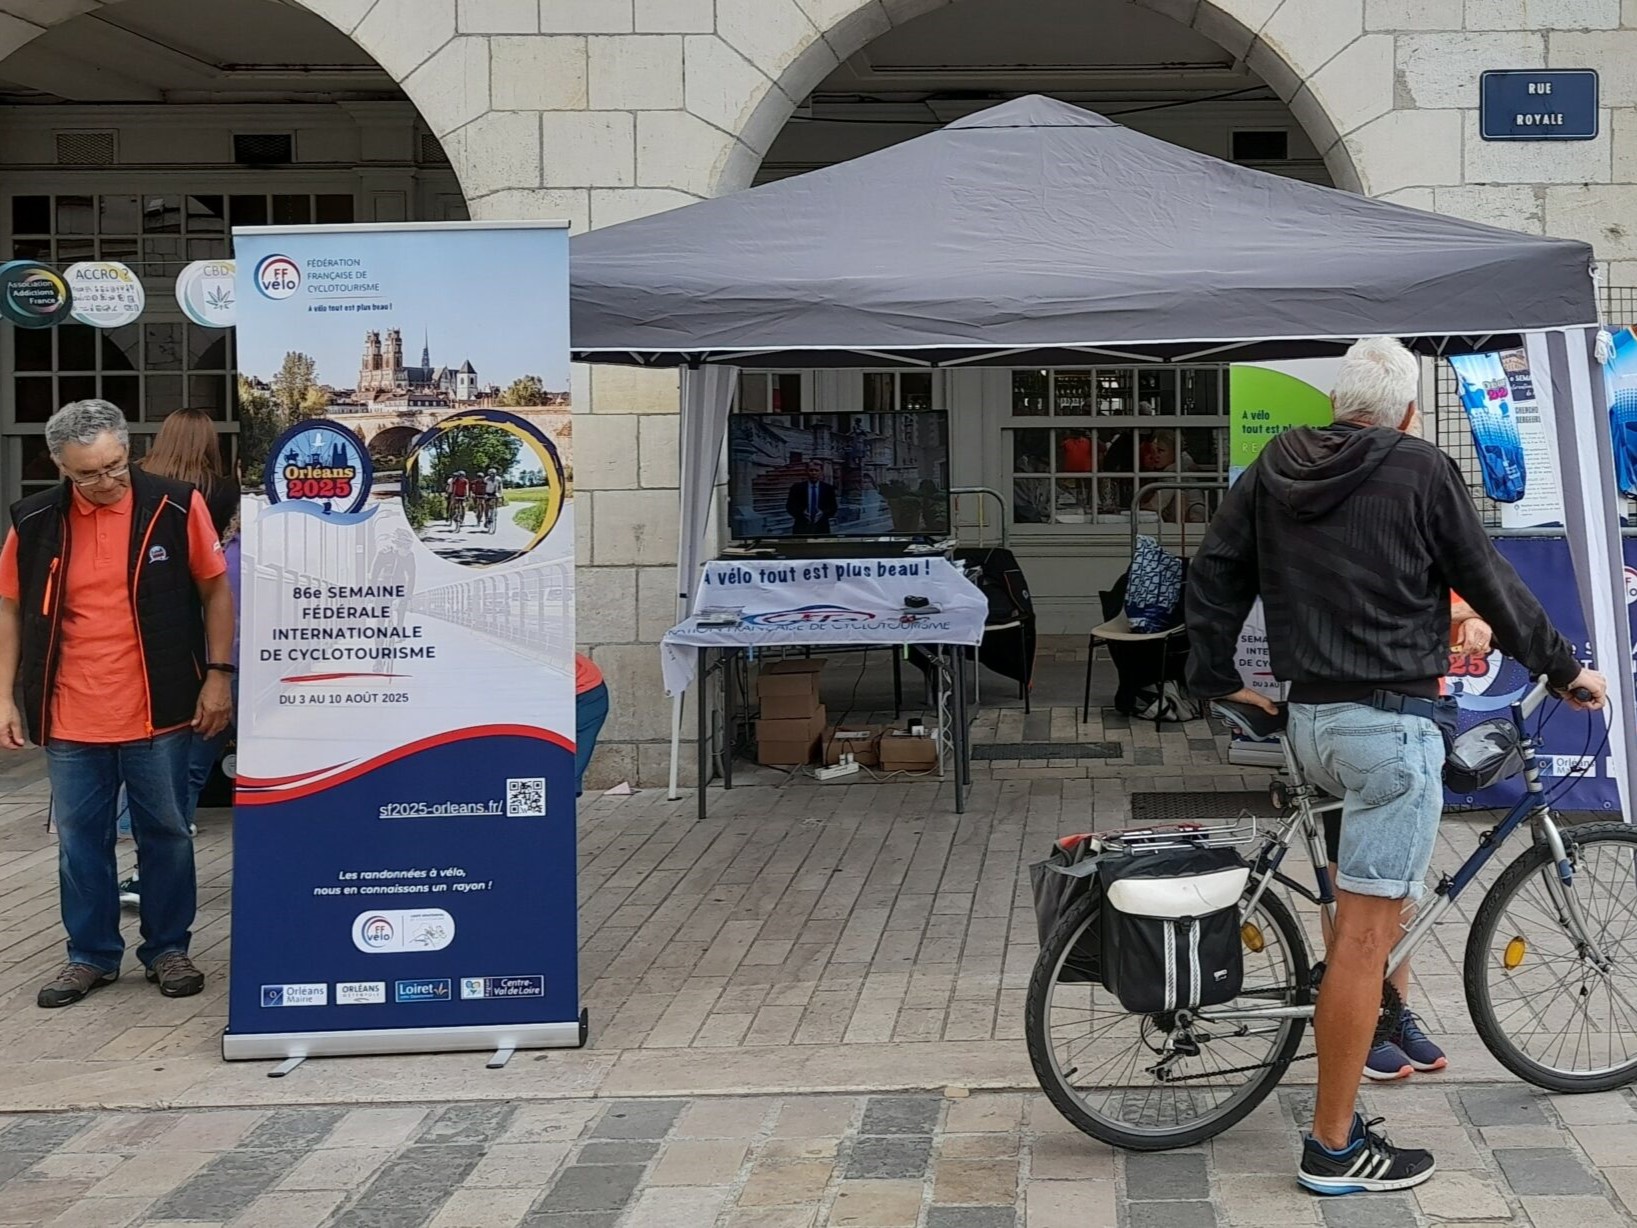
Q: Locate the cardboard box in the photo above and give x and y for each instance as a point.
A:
(790, 678)
(865, 749)
(789, 707)
(787, 743)
(901, 753)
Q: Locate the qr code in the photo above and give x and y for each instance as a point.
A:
(526, 798)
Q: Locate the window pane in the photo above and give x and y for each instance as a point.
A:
(1114, 495)
(35, 399)
(33, 348)
(1032, 451)
(1071, 392)
(1031, 501)
(879, 392)
(753, 393)
(1202, 391)
(1114, 392)
(206, 215)
(292, 210)
(124, 391)
(31, 249)
(163, 396)
(209, 393)
(76, 388)
(1156, 392)
(1157, 453)
(76, 348)
(1076, 452)
(37, 463)
(1202, 450)
(1029, 392)
(248, 210)
(207, 249)
(76, 215)
(163, 346)
(787, 393)
(71, 250)
(118, 215)
(31, 215)
(119, 347)
(333, 210)
(1076, 503)
(207, 348)
(161, 215)
(915, 390)
(126, 250)
(1116, 452)
(164, 256)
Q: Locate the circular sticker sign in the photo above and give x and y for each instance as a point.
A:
(33, 295)
(106, 294)
(205, 293)
(322, 463)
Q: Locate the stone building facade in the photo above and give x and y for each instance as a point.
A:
(603, 110)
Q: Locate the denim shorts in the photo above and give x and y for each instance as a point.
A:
(1388, 769)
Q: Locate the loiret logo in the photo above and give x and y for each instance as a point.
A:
(809, 615)
(278, 277)
(436, 990)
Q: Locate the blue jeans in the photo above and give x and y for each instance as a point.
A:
(201, 760)
(1388, 769)
(590, 711)
(85, 785)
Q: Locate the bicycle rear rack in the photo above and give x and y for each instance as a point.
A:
(1230, 834)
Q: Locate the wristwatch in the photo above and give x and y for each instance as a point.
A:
(221, 667)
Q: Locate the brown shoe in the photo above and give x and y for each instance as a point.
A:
(71, 984)
(176, 975)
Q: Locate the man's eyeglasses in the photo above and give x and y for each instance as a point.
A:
(102, 475)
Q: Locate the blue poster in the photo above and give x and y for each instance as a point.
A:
(404, 826)
(1486, 396)
(1620, 378)
(1574, 758)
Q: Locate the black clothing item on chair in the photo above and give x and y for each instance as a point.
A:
(1009, 651)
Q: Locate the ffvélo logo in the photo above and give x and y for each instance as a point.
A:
(278, 277)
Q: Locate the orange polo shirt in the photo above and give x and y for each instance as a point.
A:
(101, 694)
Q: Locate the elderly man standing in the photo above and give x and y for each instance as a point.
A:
(117, 620)
(1353, 535)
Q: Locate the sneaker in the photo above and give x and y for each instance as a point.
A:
(1416, 1045)
(71, 984)
(1388, 1062)
(130, 892)
(176, 976)
(1368, 1164)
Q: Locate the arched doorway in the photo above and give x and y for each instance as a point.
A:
(142, 132)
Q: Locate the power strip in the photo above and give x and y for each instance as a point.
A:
(848, 767)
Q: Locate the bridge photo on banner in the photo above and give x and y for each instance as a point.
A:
(404, 828)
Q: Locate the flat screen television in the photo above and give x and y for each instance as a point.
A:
(838, 475)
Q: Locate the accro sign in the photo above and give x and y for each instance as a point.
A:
(278, 277)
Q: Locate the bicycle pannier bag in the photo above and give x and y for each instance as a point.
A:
(1058, 884)
(1484, 755)
(1170, 928)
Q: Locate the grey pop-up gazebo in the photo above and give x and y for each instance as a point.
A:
(1036, 233)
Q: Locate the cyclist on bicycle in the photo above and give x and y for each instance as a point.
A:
(497, 497)
(1353, 536)
(457, 491)
(480, 499)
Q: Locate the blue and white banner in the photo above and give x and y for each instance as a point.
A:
(1486, 396)
(404, 833)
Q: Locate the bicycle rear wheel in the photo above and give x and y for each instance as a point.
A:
(1547, 1012)
(1109, 1073)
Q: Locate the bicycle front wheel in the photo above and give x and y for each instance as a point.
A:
(1548, 1010)
(1148, 1082)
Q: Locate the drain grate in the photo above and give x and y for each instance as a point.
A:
(1046, 750)
(1203, 807)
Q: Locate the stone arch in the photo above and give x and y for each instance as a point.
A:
(392, 441)
(425, 57)
(1314, 54)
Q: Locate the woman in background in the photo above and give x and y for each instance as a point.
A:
(590, 711)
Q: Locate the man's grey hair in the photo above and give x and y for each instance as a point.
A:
(82, 422)
(1379, 378)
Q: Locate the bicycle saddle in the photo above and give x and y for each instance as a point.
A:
(1249, 719)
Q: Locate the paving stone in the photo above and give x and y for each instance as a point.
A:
(375, 1127)
(801, 1148)
(1271, 1199)
(573, 1219)
(1575, 1213)
(1171, 1215)
(484, 1208)
(210, 1131)
(1069, 1204)
(336, 1168)
(1242, 1151)
(671, 1207)
(900, 1115)
(1599, 1108)
(1608, 1146)
(226, 1186)
(638, 1119)
(889, 1157)
(1070, 1157)
(293, 1129)
(42, 1132)
(1503, 1106)
(512, 1165)
(975, 1182)
(876, 1204)
(1546, 1170)
(1462, 1196)
(1512, 1138)
(592, 1187)
(984, 1114)
(972, 1217)
(281, 1209)
(983, 1147)
(1369, 1211)
(1165, 1175)
(551, 1122)
(732, 1117)
(406, 1215)
(700, 1162)
(617, 1153)
(1624, 1181)
(784, 1182)
(33, 1200)
(468, 1124)
(814, 1117)
(101, 1213)
(772, 1217)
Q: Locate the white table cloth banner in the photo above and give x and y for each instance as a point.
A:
(824, 603)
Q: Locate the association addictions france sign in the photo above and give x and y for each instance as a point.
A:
(404, 852)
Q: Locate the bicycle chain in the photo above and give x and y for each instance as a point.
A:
(1231, 1070)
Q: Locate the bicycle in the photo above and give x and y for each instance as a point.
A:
(1562, 915)
(457, 511)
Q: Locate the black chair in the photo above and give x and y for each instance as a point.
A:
(1009, 633)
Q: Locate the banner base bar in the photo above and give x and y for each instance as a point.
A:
(281, 1046)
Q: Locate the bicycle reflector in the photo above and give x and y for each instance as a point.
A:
(1251, 936)
(1515, 951)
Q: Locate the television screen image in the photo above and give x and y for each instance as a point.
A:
(838, 475)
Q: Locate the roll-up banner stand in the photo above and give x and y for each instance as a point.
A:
(404, 860)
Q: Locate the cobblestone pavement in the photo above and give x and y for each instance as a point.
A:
(985, 1160)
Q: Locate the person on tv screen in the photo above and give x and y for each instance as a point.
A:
(811, 503)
